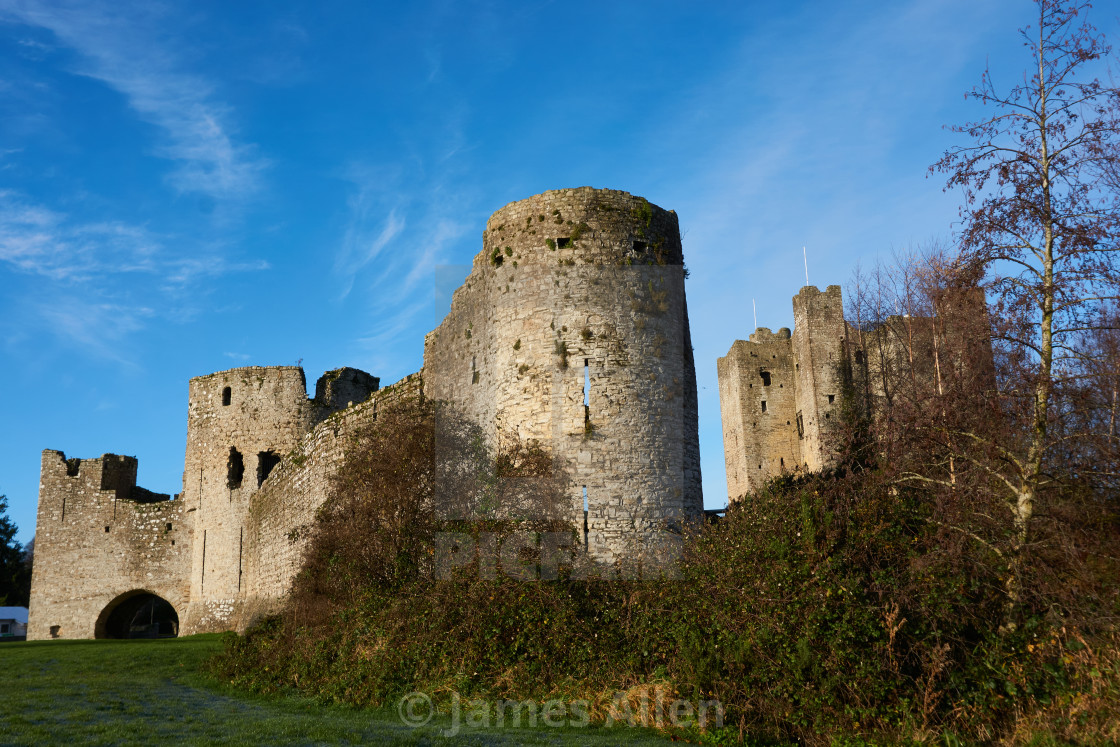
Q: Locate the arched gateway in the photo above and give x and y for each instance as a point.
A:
(137, 614)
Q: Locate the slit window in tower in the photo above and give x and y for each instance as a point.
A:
(640, 246)
(235, 469)
(586, 514)
(202, 582)
(586, 382)
(563, 243)
(266, 461)
(764, 405)
(765, 377)
(227, 396)
(800, 427)
(859, 356)
(474, 371)
(831, 398)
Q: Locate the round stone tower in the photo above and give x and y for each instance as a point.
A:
(572, 330)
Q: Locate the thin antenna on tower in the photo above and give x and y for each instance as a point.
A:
(755, 307)
(805, 256)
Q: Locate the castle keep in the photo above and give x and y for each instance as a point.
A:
(571, 330)
(784, 397)
(780, 393)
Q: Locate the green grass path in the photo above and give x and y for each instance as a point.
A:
(152, 692)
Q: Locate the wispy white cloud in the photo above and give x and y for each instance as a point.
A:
(238, 356)
(359, 247)
(119, 47)
(182, 272)
(92, 284)
(94, 325)
(391, 247)
(37, 240)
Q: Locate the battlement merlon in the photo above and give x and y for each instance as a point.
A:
(812, 290)
(343, 387)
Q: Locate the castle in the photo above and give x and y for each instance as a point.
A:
(786, 398)
(571, 330)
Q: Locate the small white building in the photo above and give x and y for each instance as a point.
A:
(13, 622)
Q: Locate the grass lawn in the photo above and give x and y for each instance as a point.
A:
(145, 692)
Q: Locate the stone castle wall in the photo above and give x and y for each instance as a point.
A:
(282, 513)
(572, 330)
(97, 537)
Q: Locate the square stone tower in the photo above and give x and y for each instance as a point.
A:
(782, 394)
(758, 396)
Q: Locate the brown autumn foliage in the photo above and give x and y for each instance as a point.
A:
(417, 469)
(1041, 226)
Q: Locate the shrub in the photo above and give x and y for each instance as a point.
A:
(819, 608)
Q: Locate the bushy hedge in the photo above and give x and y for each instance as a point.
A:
(825, 606)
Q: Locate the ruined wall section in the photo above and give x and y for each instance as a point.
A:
(758, 405)
(98, 536)
(858, 345)
(240, 424)
(343, 387)
(572, 330)
(820, 363)
(281, 514)
(916, 357)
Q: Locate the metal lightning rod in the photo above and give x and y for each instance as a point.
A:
(755, 307)
(805, 256)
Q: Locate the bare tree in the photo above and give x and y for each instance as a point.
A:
(1040, 226)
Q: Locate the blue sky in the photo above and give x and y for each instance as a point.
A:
(190, 187)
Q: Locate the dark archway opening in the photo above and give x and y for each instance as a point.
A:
(138, 614)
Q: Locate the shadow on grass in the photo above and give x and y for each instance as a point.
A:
(137, 692)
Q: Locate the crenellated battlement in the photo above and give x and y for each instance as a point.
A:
(108, 472)
(763, 335)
